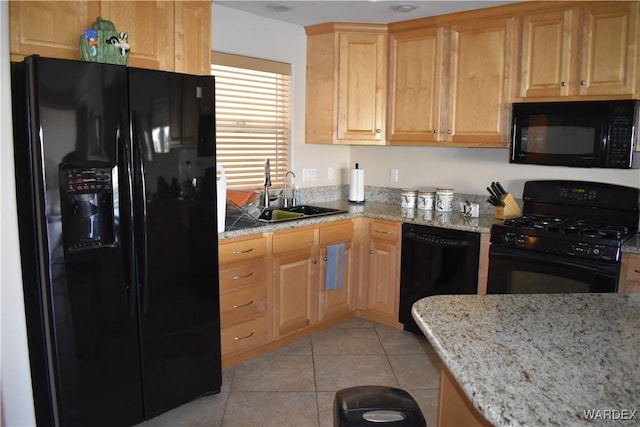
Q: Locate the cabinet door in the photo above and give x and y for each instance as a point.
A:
(49, 28)
(361, 87)
(193, 37)
(415, 86)
(545, 54)
(294, 302)
(337, 300)
(609, 49)
(383, 285)
(295, 265)
(480, 67)
(629, 273)
(149, 25)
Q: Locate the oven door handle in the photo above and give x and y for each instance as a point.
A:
(594, 266)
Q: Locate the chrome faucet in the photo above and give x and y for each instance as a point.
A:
(267, 183)
(286, 199)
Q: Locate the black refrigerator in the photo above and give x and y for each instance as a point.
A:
(115, 184)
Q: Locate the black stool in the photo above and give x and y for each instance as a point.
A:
(371, 405)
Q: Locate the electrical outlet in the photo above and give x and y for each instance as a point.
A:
(393, 175)
(309, 174)
(330, 174)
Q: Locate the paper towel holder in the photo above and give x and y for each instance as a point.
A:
(356, 186)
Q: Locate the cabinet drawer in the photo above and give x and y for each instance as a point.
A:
(293, 240)
(382, 230)
(242, 304)
(633, 269)
(243, 274)
(242, 250)
(336, 233)
(243, 336)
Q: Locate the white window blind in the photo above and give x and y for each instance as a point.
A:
(252, 118)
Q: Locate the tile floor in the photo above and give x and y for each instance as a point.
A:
(295, 384)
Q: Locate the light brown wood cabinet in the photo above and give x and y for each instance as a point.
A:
(589, 51)
(415, 86)
(339, 300)
(244, 294)
(382, 281)
(629, 273)
(346, 84)
(450, 83)
(295, 261)
(165, 35)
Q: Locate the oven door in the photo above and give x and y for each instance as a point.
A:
(519, 271)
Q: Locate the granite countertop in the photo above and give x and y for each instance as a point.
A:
(387, 211)
(540, 360)
(393, 212)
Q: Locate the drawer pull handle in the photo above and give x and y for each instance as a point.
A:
(242, 277)
(243, 338)
(237, 252)
(242, 305)
(382, 232)
(636, 270)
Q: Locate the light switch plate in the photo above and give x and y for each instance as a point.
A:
(393, 175)
(309, 174)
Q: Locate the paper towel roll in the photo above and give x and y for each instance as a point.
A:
(356, 189)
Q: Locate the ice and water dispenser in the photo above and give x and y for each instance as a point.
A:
(87, 205)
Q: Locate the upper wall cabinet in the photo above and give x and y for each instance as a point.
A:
(49, 28)
(165, 35)
(450, 84)
(346, 84)
(479, 96)
(415, 86)
(589, 51)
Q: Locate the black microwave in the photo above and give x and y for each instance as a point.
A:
(589, 134)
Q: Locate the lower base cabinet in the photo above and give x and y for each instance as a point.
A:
(629, 273)
(295, 262)
(455, 409)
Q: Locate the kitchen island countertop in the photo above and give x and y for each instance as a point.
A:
(543, 360)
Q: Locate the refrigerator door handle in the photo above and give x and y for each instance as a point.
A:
(142, 252)
(126, 211)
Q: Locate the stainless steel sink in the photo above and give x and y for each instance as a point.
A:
(296, 212)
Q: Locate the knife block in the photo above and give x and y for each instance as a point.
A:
(509, 210)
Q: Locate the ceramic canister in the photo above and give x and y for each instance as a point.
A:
(444, 199)
(426, 200)
(408, 198)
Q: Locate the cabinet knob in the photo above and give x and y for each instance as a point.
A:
(315, 261)
(371, 251)
(435, 131)
(324, 258)
(583, 82)
(563, 84)
(378, 130)
(449, 132)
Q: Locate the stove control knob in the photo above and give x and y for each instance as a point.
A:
(521, 240)
(595, 251)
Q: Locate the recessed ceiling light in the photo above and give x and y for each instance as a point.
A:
(277, 7)
(403, 8)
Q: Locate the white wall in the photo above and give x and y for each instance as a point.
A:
(467, 170)
(17, 402)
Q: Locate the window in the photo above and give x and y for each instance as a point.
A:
(252, 118)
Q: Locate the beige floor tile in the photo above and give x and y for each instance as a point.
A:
(271, 409)
(325, 408)
(428, 401)
(300, 347)
(397, 341)
(273, 372)
(416, 371)
(346, 341)
(204, 412)
(334, 373)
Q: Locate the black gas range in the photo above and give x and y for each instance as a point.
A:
(570, 235)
